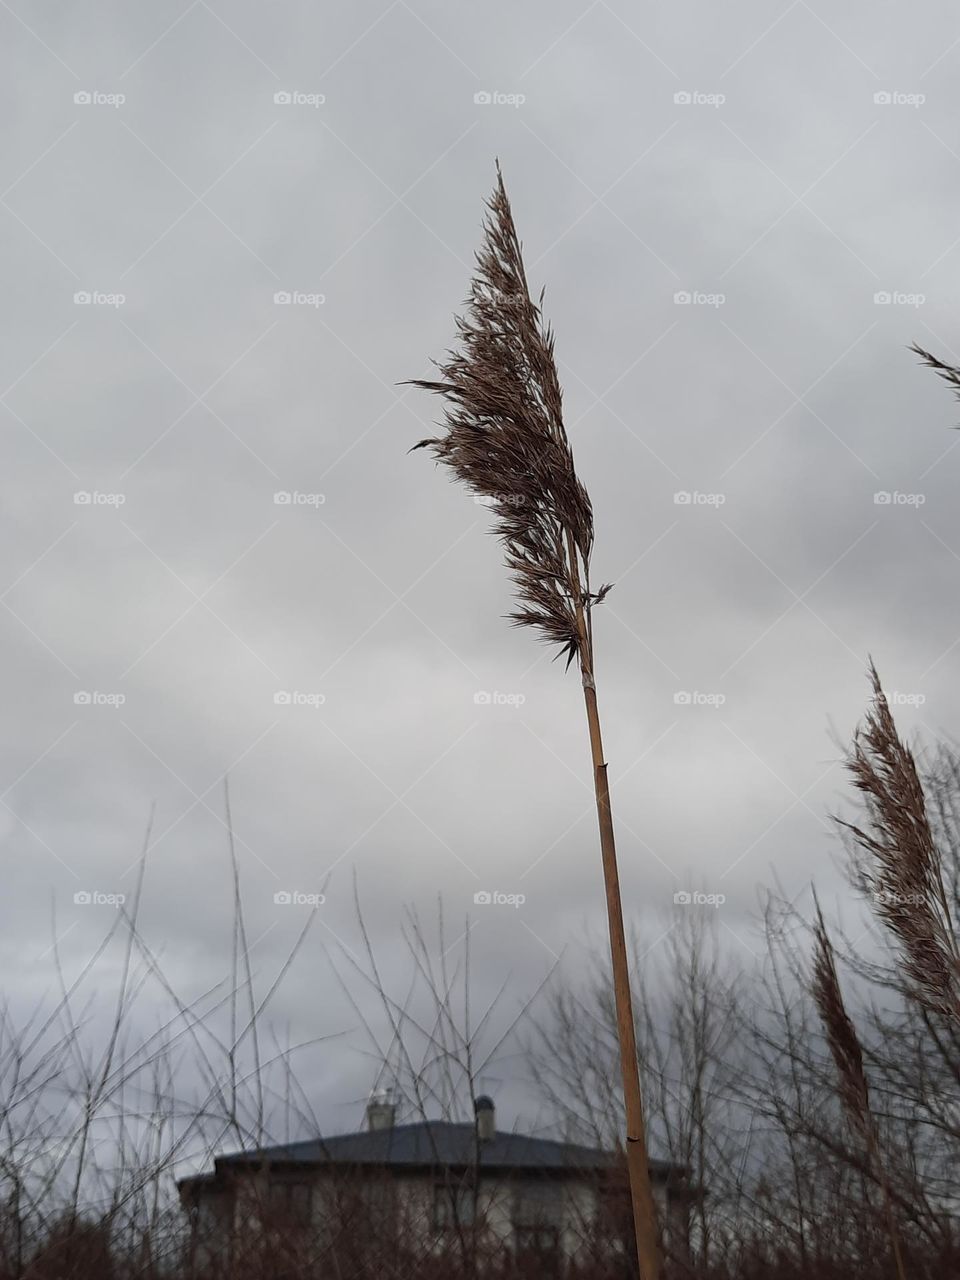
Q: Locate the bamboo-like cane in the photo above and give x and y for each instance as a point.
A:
(505, 440)
(638, 1170)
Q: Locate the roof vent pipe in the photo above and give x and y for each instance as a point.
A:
(381, 1110)
(486, 1118)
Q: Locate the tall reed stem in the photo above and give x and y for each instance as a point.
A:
(505, 440)
(891, 1217)
(638, 1169)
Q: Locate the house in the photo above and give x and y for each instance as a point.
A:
(428, 1191)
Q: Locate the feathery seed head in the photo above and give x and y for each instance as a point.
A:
(840, 1031)
(506, 442)
(898, 859)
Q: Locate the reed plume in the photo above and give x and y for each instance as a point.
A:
(841, 1034)
(948, 372)
(898, 861)
(505, 440)
(852, 1086)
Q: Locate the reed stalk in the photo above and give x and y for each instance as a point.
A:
(505, 440)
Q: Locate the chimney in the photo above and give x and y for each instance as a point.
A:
(380, 1110)
(486, 1118)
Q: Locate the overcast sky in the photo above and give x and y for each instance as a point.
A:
(742, 216)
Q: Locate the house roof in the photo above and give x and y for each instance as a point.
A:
(433, 1144)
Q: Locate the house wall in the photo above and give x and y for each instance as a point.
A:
(353, 1208)
(212, 1226)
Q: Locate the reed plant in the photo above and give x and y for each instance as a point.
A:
(505, 440)
(847, 1054)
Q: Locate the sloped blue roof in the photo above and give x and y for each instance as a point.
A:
(437, 1143)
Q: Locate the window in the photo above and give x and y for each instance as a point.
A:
(378, 1203)
(537, 1219)
(453, 1205)
(538, 1240)
(290, 1201)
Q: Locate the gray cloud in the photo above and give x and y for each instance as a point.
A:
(798, 198)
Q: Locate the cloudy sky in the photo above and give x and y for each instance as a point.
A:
(229, 232)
